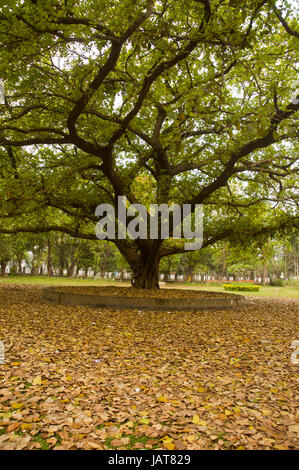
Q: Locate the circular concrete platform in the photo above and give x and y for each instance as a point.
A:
(221, 301)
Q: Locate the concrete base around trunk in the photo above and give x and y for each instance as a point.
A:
(149, 303)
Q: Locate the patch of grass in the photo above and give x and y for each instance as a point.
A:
(27, 384)
(155, 446)
(44, 444)
(58, 439)
(133, 440)
(100, 426)
(291, 291)
(6, 402)
(241, 287)
(265, 291)
(108, 442)
(137, 439)
(45, 280)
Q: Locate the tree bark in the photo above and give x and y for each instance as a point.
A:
(146, 276)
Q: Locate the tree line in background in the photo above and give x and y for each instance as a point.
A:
(59, 254)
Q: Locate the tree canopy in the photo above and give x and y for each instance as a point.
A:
(192, 101)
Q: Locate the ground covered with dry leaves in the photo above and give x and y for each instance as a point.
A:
(83, 378)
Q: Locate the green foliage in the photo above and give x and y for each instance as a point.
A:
(240, 269)
(277, 282)
(241, 287)
(186, 102)
(293, 283)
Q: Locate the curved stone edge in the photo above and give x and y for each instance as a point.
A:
(152, 303)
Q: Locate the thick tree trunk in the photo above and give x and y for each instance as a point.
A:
(144, 262)
(146, 276)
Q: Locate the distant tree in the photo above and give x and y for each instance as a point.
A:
(240, 269)
(85, 257)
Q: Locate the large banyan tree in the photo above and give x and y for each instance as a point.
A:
(161, 101)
